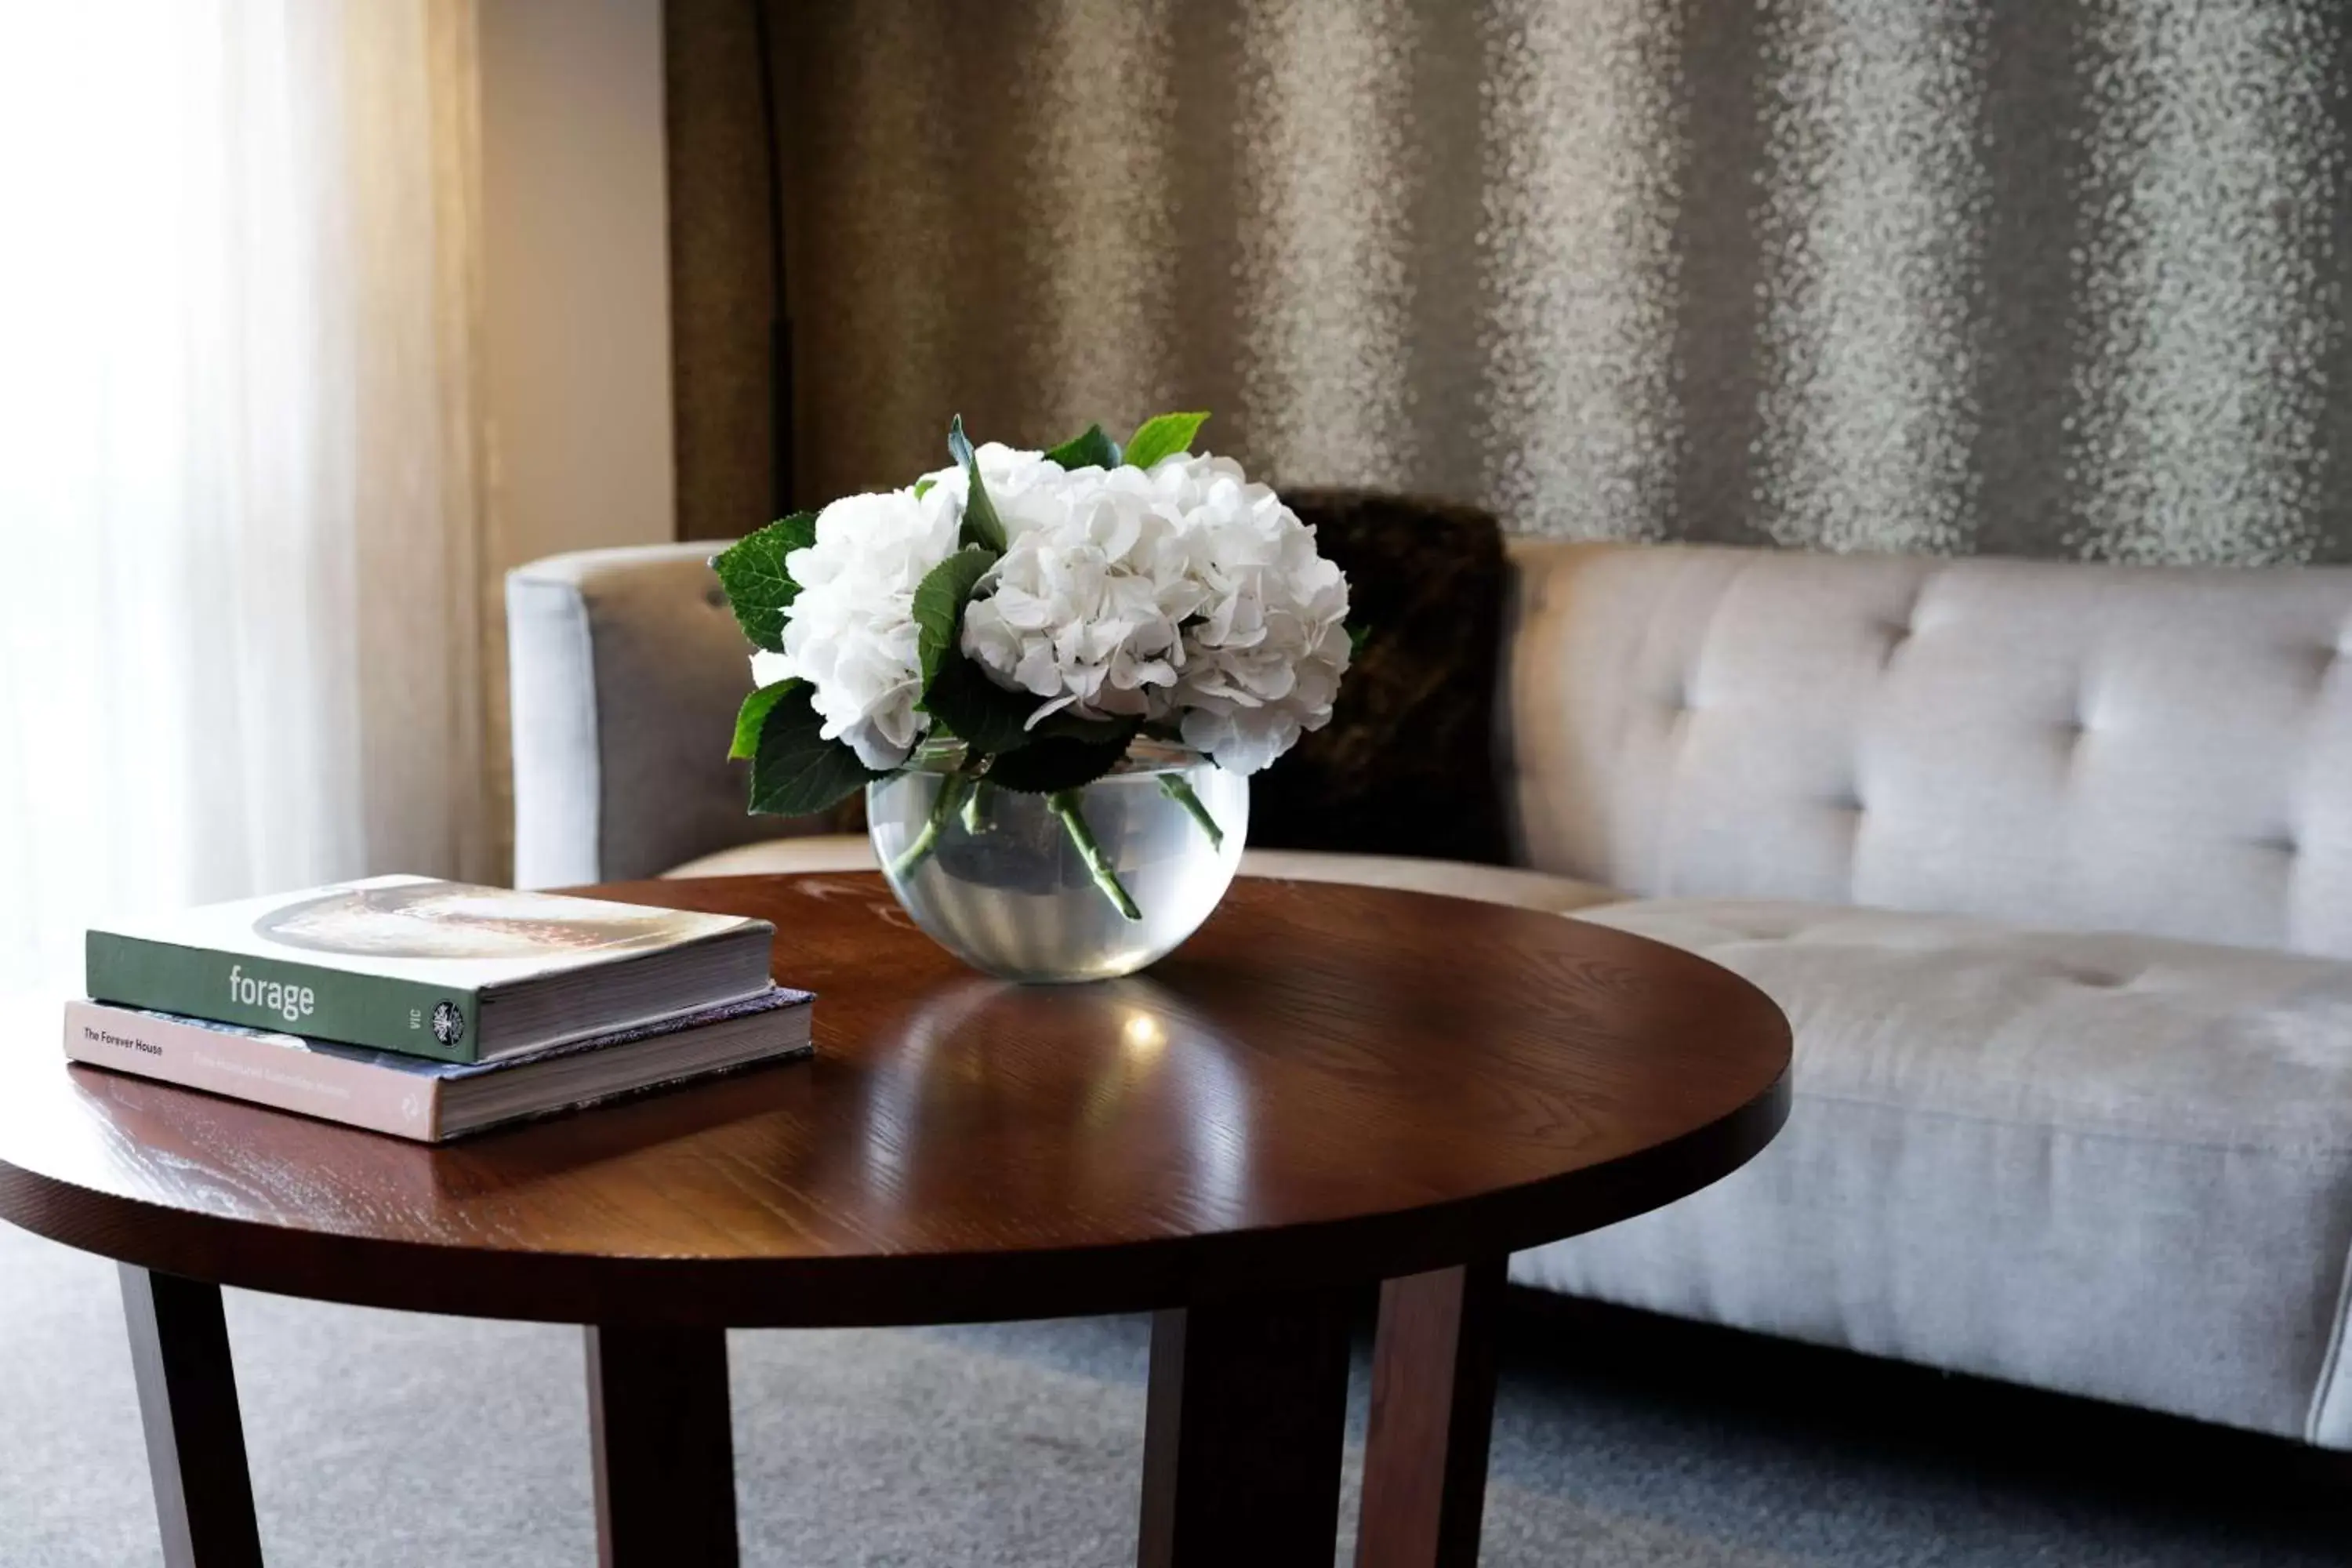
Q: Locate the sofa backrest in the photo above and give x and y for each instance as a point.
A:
(2157, 749)
(626, 669)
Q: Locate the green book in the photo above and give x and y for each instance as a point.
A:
(445, 970)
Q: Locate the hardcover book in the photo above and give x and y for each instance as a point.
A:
(446, 970)
(414, 1097)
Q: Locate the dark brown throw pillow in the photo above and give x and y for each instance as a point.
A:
(1406, 766)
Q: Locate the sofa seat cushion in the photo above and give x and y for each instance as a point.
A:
(2111, 1165)
(1456, 878)
(777, 857)
(1460, 878)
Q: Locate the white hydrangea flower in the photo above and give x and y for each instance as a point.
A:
(766, 668)
(1182, 593)
(1010, 473)
(1085, 608)
(1185, 596)
(1263, 661)
(850, 632)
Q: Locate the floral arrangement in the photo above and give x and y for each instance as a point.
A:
(1042, 608)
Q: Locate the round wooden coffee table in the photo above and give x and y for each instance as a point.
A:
(1325, 1090)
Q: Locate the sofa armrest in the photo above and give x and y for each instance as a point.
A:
(626, 667)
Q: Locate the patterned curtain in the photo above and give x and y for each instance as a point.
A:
(2041, 277)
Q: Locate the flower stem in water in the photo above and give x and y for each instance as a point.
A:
(1064, 804)
(1173, 786)
(953, 787)
(975, 812)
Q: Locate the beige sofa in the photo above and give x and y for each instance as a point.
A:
(2051, 865)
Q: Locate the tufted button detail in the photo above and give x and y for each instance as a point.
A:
(1897, 634)
(1905, 625)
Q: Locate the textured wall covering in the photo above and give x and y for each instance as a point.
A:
(2050, 277)
(720, 272)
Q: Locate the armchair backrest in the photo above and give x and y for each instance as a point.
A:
(626, 669)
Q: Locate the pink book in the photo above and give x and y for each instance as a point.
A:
(419, 1097)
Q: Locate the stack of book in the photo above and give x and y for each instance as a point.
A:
(430, 1009)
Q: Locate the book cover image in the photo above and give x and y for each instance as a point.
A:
(444, 933)
(456, 920)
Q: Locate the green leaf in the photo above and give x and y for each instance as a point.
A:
(796, 772)
(974, 709)
(980, 525)
(1055, 763)
(752, 717)
(758, 586)
(940, 600)
(1092, 450)
(1356, 637)
(1163, 436)
(923, 486)
(1096, 732)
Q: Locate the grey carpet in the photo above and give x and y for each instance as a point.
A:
(380, 1438)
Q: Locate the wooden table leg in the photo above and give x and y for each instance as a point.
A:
(665, 1454)
(1246, 1417)
(187, 1401)
(1433, 1410)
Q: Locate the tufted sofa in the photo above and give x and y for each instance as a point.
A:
(2049, 864)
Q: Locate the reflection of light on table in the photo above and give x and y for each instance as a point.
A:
(1130, 1071)
(1143, 1035)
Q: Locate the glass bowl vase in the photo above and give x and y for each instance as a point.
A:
(1087, 885)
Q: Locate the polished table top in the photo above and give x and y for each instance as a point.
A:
(1327, 1084)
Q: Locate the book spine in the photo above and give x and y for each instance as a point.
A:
(243, 1068)
(306, 999)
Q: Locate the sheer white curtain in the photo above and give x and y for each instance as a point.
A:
(241, 528)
